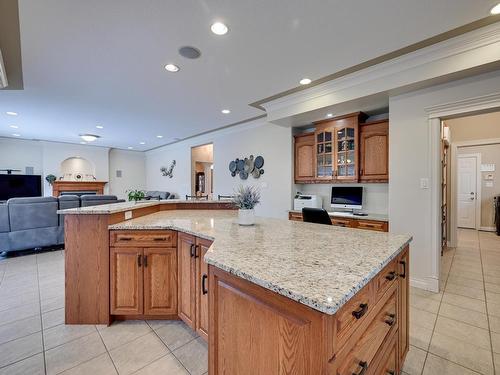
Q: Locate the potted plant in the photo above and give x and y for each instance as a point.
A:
(246, 198)
(50, 178)
(135, 195)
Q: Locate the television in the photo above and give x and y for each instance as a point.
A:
(20, 185)
(350, 197)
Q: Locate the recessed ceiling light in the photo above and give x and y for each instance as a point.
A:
(495, 10)
(130, 147)
(329, 115)
(11, 113)
(89, 137)
(159, 136)
(142, 143)
(99, 127)
(219, 28)
(305, 81)
(13, 126)
(16, 135)
(189, 52)
(172, 68)
(226, 111)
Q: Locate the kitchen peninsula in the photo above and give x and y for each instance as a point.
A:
(285, 297)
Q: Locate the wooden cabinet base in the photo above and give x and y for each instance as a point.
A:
(256, 331)
(375, 225)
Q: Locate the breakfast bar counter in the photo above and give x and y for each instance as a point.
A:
(279, 297)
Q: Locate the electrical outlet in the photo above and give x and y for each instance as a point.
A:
(424, 183)
(128, 215)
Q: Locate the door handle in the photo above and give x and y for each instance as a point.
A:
(139, 260)
(203, 284)
(191, 250)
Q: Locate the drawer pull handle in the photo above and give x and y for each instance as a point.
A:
(363, 308)
(160, 239)
(145, 260)
(196, 247)
(139, 260)
(391, 276)
(403, 263)
(390, 372)
(391, 320)
(124, 238)
(364, 367)
(203, 284)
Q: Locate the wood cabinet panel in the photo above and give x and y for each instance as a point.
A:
(380, 226)
(404, 303)
(384, 280)
(126, 281)
(374, 146)
(143, 238)
(202, 289)
(304, 157)
(187, 279)
(387, 358)
(160, 281)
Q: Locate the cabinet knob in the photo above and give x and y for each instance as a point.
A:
(391, 276)
(364, 367)
(363, 308)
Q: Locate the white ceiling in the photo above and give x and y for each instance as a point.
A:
(101, 62)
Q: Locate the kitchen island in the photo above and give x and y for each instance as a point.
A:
(280, 297)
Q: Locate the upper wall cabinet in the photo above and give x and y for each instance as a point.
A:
(374, 143)
(343, 149)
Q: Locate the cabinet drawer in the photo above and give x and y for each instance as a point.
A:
(295, 216)
(379, 226)
(144, 238)
(387, 359)
(353, 313)
(361, 355)
(341, 222)
(385, 279)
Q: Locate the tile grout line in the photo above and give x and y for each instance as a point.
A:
(107, 351)
(486, 303)
(41, 320)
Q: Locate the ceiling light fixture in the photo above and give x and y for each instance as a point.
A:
(305, 81)
(130, 147)
(172, 68)
(219, 28)
(99, 127)
(142, 143)
(11, 113)
(159, 136)
(329, 115)
(16, 135)
(13, 126)
(89, 137)
(495, 10)
(226, 111)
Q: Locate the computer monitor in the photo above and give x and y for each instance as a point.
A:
(350, 197)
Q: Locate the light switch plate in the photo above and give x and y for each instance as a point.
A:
(424, 183)
(128, 215)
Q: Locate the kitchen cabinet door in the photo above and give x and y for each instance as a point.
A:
(202, 289)
(304, 157)
(374, 139)
(126, 281)
(186, 278)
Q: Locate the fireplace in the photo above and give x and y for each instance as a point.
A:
(77, 187)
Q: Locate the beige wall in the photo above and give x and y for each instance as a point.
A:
(480, 127)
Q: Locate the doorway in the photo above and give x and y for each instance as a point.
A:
(467, 190)
(202, 171)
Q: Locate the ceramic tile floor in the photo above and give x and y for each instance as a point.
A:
(35, 340)
(457, 331)
(454, 332)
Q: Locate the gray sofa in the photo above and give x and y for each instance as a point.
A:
(28, 223)
(158, 195)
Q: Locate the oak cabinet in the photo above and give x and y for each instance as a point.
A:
(374, 147)
(193, 283)
(126, 281)
(143, 281)
(375, 225)
(304, 157)
(403, 303)
(187, 278)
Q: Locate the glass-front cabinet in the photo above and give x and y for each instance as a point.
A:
(337, 149)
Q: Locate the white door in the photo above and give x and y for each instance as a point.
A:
(466, 190)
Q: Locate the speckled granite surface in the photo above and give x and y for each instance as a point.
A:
(125, 206)
(376, 217)
(319, 266)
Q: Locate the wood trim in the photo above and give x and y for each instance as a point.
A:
(67, 186)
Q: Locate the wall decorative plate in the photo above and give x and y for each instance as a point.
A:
(244, 167)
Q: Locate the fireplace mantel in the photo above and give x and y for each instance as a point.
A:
(67, 186)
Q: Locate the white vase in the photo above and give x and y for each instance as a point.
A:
(246, 217)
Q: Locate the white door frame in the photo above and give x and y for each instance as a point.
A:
(454, 187)
(435, 114)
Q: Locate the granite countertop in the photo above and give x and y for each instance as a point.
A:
(350, 215)
(319, 266)
(113, 208)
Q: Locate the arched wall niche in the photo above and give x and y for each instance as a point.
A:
(77, 168)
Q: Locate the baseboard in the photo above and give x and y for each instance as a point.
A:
(487, 229)
(430, 284)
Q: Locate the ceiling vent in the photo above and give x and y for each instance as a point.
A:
(3, 73)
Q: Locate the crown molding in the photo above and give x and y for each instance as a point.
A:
(471, 105)
(459, 54)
